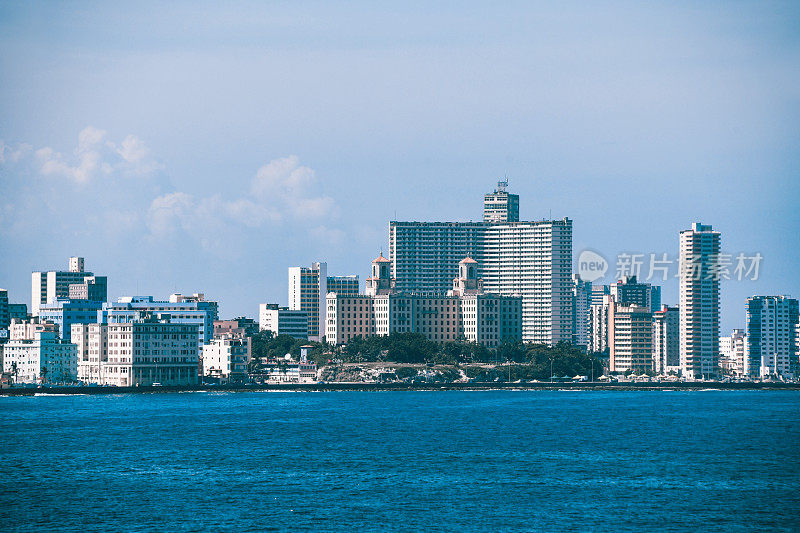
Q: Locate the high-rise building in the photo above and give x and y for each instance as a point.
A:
(666, 340)
(308, 288)
(531, 259)
(18, 312)
(283, 321)
(733, 352)
(699, 301)
(771, 336)
(581, 301)
(148, 349)
(500, 205)
(630, 338)
(467, 312)
(92, 288)
(46, 286)
(598, 293)
(5, 315)
(242, 326)
(598, 324)
(628, 291)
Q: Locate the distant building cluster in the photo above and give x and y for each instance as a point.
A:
(498, 280)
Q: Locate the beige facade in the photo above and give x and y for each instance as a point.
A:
(630, 338)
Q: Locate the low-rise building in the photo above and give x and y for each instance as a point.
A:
(287, 370)
(283, 321)
(148, 349)
(733, 354)
(226, 357)
(36, 354)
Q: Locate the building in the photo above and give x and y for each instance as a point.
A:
(598, 324)
(530, 259)
(628, 291)
(466, 312)
(287, 370)
(308, 288)
(733, 352)
(46, 286)
(666, 340)
(500, 205)
(241, 326)
(92, 288)
(226, 357)
(35, 354)
(581, 302)
(630, 338)
(18, 312)
(149, 349)
(283, 321)
(64, 312)
(771, 336)
(181, 309)
(598, 293)
(5, 316)
(698, 290)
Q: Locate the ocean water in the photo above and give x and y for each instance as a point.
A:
(433, 461)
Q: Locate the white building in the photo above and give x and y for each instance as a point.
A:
(467, 312)
(500, 205)
(283, 321)
(227, 356)
(733, 352)
(630, 338)
(46, 286)
(308, 288)
(699, 301)
(771, 336)
(149, 349)
(35, 354)
(598, 324)
(287, 370)
(666, 340)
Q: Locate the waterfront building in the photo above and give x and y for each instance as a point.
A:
(666, 340)
(628, 291)
(529, 259)
(182, 309)
(283, 321)
(771, 336)
(699, 301)
(733, 353)
(64, 312)
(466, 312)
(630, 338)
(287, 370)
(581, 302)
(226, 357)
(241, 326)
(46, 286)
(500, 205)
(598, 324)
(147, 349)
(308, 288)
(36, 354)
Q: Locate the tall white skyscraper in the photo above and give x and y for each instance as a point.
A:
(771, 336)
(500, 205)
(699, 301)
(308, 288)
(46, 286)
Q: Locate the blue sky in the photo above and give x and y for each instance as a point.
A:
(205, 147)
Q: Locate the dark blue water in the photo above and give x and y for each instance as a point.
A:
(582, 460)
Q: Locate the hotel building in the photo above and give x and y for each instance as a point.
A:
(466, 312)
(699, 302)
(529, 259)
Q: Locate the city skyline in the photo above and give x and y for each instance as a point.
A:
(679, 116)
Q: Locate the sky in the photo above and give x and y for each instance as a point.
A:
(206, 147)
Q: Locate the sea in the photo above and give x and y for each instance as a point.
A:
(706, 460)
